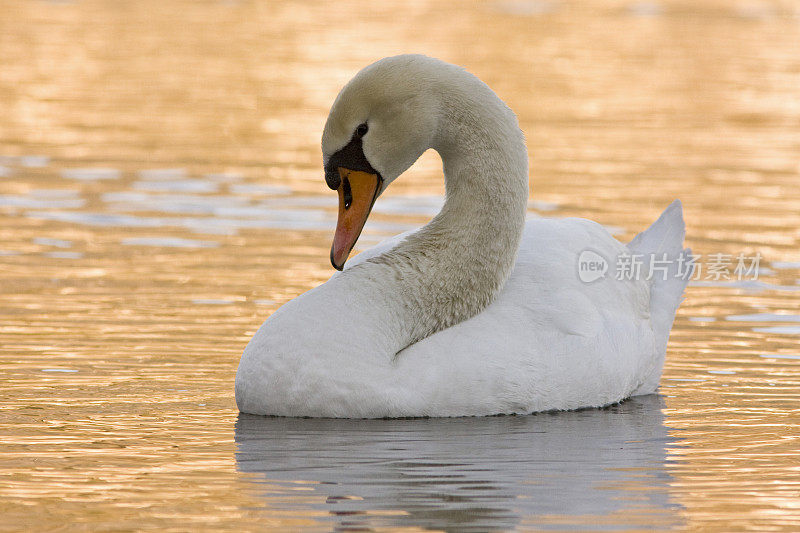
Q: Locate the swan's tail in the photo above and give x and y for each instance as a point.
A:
(662, 244)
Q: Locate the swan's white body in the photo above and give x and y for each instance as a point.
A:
(477, 313)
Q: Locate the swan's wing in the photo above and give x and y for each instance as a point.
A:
(550, 340)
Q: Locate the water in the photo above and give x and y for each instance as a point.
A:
(469, 474)
(161, 193)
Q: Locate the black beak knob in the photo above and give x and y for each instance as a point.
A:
(332, 178)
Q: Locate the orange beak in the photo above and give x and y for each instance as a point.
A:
(357, 192)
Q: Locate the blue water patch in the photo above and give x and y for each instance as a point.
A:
(91, 174)
(212, 301)
(764, 317)
(99, 219)
(33, 161)
(54, 193)
(43, 199)
(785, 265)
(781, 330)
(328, 200)
(702, 319)
(289, 219)
(47, 241)
(260, 190)
(174, 242)
(181, 185)
(779, 356)
(188, 204)
(58, 370)
(63, 255)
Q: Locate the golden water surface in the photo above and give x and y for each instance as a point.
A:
(161, 194)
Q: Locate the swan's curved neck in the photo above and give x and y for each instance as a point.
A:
(453, 267)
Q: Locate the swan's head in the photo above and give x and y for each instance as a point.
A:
(380, 123)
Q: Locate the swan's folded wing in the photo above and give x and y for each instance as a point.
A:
(550, 340)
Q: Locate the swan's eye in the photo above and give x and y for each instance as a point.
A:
(362, 130)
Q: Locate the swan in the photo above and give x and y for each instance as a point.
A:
(478, 312)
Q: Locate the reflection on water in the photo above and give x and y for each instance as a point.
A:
(161, 193)
(584, 468)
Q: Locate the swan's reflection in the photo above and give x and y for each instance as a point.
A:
(597, 468)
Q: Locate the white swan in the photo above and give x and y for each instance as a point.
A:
(476, 313)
